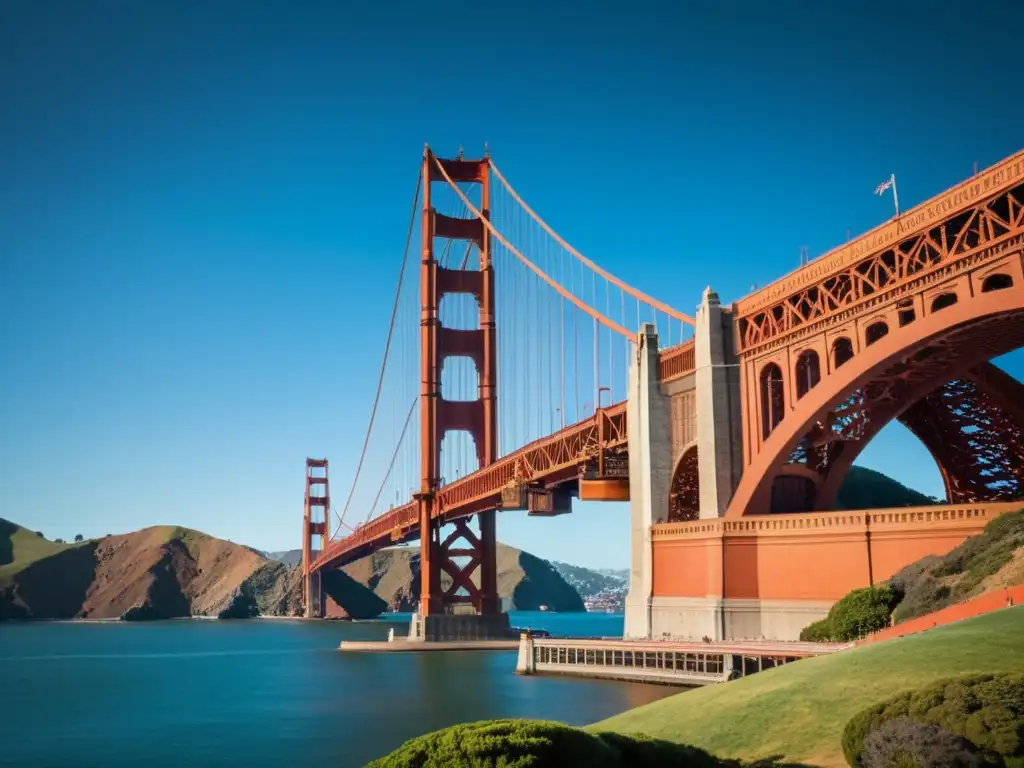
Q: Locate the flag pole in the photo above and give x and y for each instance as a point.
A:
(895, 197)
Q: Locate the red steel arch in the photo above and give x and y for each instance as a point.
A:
(883, 380)
(864, 333)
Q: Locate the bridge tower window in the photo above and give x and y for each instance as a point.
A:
(944, 300)
(996, 283)
(876, 331)
(842, 352)
(773, 399)
(808, 372)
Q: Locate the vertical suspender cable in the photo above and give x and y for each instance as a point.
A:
(387, 349)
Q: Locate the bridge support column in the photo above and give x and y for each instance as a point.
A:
(650, 473)
(444, 611)
(719, 421)
(315, 517)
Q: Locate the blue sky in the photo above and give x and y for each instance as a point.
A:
(203, 207)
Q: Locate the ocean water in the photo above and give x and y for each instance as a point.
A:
(265, 692)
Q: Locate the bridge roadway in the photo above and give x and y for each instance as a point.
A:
(550, 461)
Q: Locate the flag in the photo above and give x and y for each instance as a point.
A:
(883, 186)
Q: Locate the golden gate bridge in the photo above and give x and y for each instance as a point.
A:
(517, 373)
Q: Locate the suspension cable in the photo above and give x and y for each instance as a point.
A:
(639, 295)
(387, 350)
(533, 267)
(394, 456)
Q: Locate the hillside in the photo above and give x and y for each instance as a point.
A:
(797, 712)
(526, 581)
(158, 572)
(865, 488)
(993, 559)
(605, 589)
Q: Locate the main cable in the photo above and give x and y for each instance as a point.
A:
(387, 350)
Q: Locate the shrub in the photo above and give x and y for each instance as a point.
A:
(860, 613)
(987, 710)
(818, 632)
(904, 743)
(538, 744)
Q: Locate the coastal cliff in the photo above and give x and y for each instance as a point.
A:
(156, 573)
(167, 572)
(525, 582)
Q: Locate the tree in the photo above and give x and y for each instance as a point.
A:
(78, 537)
(40, 534)
(58, 541)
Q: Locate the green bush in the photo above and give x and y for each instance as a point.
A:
(903, 743)
(538, 744)
(860, 613)
(987, 710)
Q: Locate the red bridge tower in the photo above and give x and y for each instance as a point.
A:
(437, 618)
(316, 514)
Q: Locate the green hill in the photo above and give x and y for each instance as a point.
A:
(798, 711)
(994, 559)
(865, 488)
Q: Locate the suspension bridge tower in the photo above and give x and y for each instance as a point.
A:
(316, 506)
(467, 608)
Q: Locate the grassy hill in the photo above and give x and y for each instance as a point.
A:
(865, 488)
(798, 711)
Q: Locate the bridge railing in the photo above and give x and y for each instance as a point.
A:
(850, 520)
(676, 362)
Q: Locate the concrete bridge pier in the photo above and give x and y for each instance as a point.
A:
(667, 421)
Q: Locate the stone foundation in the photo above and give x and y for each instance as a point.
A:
(451, 627)
(694, 618)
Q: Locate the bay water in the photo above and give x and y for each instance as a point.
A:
(266, 692)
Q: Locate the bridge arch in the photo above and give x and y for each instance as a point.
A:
(684, 491)
(867, 388)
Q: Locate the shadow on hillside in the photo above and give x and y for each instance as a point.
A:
(347, 594)
(541, 584)
(644, 750)
(7, 531)
(55, 587)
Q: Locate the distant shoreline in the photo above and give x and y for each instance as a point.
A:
(118, 620)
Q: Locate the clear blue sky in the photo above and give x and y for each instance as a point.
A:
(203, 205)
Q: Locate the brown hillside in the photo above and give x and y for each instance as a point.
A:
(155, 573)
(527, 581)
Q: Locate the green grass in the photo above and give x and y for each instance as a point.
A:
(798, 712)
(20, 547)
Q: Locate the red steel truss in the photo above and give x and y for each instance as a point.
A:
(548, 462)
(892, 260)
(974, 427)
(840, 347)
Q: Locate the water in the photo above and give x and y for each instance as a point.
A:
(271, 692)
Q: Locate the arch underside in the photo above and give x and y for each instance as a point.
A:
(968, 413)
(684, 492)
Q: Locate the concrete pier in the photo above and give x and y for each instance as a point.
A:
(456, 627)
(684, 664)
(412, 646)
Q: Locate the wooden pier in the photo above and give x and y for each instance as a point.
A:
(666, 662)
